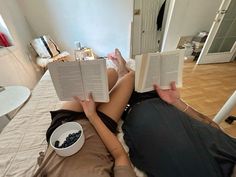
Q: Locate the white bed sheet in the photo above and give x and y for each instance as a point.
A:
(24, 137)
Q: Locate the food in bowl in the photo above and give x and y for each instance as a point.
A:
(70, 139)
(67, 139)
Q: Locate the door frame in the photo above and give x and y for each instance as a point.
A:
(221, 57)
(165, 27)
(136, 28)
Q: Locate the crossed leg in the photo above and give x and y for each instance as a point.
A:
(120, 91)
(119, 97)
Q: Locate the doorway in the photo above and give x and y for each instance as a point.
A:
(145, 36)
(220, 45)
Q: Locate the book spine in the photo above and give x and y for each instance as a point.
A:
(80, 66)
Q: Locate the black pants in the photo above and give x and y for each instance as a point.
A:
(165, 142)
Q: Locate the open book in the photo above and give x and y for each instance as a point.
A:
(159, 68)
(79, 78)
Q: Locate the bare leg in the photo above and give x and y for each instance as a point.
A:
(119, 97)
(120, 62)
(75, 105)
(112, 77)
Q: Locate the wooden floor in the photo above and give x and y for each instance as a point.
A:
(207, 87)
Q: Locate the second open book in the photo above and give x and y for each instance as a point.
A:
(158, 68)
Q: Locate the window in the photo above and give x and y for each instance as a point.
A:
(5, 36)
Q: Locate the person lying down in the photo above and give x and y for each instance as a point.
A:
(165, 136)
(102, 155)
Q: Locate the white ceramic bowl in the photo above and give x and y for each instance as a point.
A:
(60, 134)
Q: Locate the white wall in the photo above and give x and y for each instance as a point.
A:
(15, 66)
(188, 18)
(100, 24)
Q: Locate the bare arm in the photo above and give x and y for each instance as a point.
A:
(181, 105)
(109, 139)
(172, 96)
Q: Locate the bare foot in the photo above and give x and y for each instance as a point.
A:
(120, 62)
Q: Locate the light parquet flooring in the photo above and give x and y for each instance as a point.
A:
(207, 87)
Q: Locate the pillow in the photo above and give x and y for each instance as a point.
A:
(45, 47)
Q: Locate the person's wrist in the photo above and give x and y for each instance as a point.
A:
(181, 105)
(93, 117)
(177, 102)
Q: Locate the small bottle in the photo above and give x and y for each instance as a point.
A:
(79, 55)
(78, 45)
(78, 51)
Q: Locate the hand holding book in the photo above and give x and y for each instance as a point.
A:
(79, 78)
(171, 95)
(159, 68)
(89, 106)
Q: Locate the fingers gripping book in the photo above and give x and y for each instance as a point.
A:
(158, 68)
(79, 78)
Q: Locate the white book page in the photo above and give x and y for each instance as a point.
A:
(138, 61)
(171, 68)
(95, 79)
(152, 73)
(67, 79)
